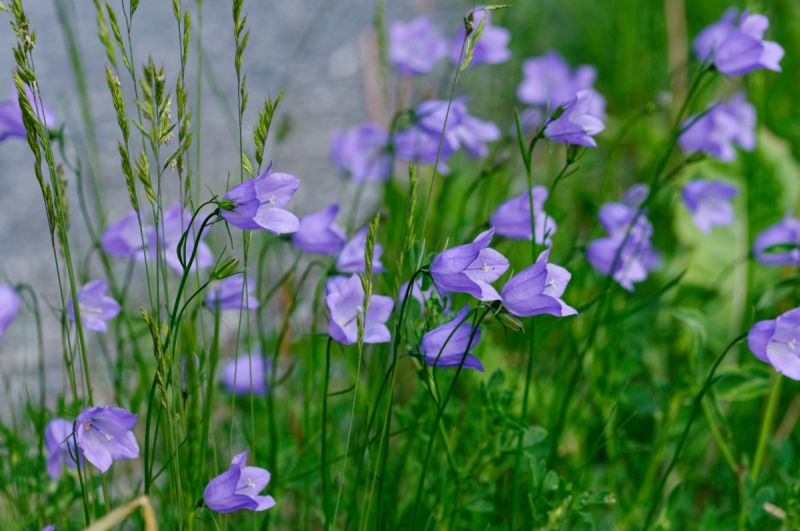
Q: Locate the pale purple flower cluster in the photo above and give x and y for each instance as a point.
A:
(95, 306)
(512, 219)
(776, 342)
(344, 297)
(238, 488)
(735, 44)
(720, 129)
(626, 254)
(103, 434)
(709, 203)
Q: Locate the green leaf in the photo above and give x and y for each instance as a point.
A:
(742, 384)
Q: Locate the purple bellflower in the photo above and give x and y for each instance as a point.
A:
(345, 298)
(258, 203)
(415, 47)
(228, 294)
(463, 130)
(725, 125)
(96, 307)
(122, 238)
(548, 81)
(491, 48)
(11, 116)
(238, 488)
(779, 244)
(512, 219)
(51, 527)
(362, 151)
(627, 249)
(104, 435)
(737, 47)
(352, 258)
(447, 344)
(709, 202)
(58, 440)
(176, 222)
(319, 234)
(418, 145)
(9, 306)
(236, 374)
(470, 268)
(578, 122)
(776, 342)
(537, 290)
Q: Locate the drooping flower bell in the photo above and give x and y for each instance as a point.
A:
(724, 126)
(238, 488)
(258, 203)
(415, 47)
(578, 121)
(709, 203)
(9, 306)
(537, 290)
(470, 268)
(319, 233)
(96, 307)
(104, 435)
(512, 219)
(451, 344)
(776, 342)
(345, 301)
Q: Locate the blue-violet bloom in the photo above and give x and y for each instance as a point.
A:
(244, 372)
(512, 219)
(470, 268)
(258, 203)
(776, 342)
(228, 294)
(345, 300)
(239, 487)
(779, 244)
(362, 151)
(9, 306)
(352, 258)
(709, 202)
(448, 344)
(96, 307)
(415, 47)
(724, 126)
(537, 290)
(104, 435)
(319, 233)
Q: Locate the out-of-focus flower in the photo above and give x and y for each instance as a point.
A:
(258, 203)
(58, 440)
(416, 144)
(737, 47)
(11, 116)
(470, 268)
(578, 122)
(352, 258)
(491, 48)
(228, 294)
(245, 371)
(9, 306)
(447, 344)
(345, 299)
(50, 527)
(96, 307)
(104, 435)
(726, 124)
(776, 342)
(512, 219)
(415, 47)
(709, 202)
(239, 487)
(122, 238)
(779, 244)
(175, 223)
(463, 130)
(362, 151)
(537, 290)
(548, 81)
(626, 254)
(319, 234)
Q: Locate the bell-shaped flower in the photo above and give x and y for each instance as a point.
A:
(239, 487)
(548, 81)
(345, 300)
(175, 223)
(96, 307)
(362, 152)
(451, 344)
(491, 47)
(416, 144)
(776, 342)
(578, 122)
(736, 45)
(709, 203)
(512, 219)
(319, 233)
(228, 294)
(537, 290)
(9, 306)
(779, 244)
(352, 258)
(463, 130)
(11, 116)
(470, 268)
(259, 203)
(246, 373)
(122, 238)
(104, 435)
(718, 132)
(60, 446)
(415, 47)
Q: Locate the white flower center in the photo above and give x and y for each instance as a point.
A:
(251, 484)
(271, 199)
(486, 268)
(108, 437)
(792, 344)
